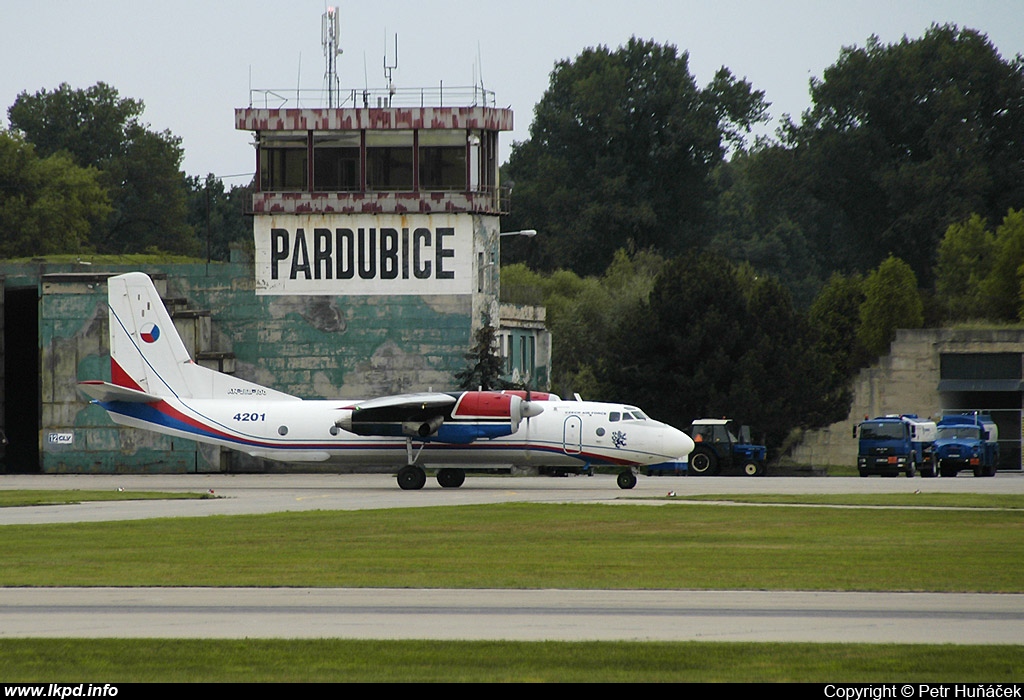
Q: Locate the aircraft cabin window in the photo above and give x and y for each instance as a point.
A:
(613, 417)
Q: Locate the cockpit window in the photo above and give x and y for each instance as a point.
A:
(613, 416)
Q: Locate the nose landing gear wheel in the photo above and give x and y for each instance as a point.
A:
(626, 479)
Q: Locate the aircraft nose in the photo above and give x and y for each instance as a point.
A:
(677, 443)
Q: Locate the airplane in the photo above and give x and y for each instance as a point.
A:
(156, 386)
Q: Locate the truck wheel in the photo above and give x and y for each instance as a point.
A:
(703, 462)
(930, 470)
(753, 469)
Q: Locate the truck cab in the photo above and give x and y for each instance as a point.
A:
(721, 446)
(893, 444)
(968, 441)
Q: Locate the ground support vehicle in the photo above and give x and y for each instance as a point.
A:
(718, 450)
(967, 441)
(893, 444)
(668, 469)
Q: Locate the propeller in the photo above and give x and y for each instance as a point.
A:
(521, 408)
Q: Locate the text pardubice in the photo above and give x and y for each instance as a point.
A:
(363, 253)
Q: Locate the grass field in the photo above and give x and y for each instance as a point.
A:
(971, 547)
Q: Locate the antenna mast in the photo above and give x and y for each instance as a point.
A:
(389, 67)
(330, 38)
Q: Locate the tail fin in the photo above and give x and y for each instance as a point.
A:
(147, 354)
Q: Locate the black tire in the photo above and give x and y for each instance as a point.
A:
(451, 478)
(930, 470)
(703, 462)
(411, 478)
(626, 479)
(753, 468)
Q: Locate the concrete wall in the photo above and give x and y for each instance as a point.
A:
(904, 381)
(314, 347)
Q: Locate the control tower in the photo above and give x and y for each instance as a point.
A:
(385, 197)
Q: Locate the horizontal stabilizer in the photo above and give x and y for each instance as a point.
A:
(106, 392)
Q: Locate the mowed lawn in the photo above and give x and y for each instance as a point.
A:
(676, 545)
(672, 546)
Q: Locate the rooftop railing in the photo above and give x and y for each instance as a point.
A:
(439, 96)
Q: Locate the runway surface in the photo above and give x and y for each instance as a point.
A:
(485, 614)
(758, 616)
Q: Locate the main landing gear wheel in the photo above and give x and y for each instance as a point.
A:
(411, 477)
(626, 479)
(451, 478)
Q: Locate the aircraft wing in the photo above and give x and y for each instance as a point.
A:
(404, 402)
(412, 415)
(105, 392)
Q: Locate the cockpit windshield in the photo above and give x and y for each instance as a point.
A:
(627, 413)
(968, 432)
(882, 431)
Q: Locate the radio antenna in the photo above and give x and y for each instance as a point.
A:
(330, 37)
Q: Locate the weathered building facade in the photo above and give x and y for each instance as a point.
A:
(376, 237)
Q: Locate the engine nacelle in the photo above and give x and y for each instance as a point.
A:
(422, 429)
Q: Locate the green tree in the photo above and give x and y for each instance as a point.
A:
(716, 339)
(217, 215)
(485, 367)
(782, 380)
(619, 154)
(905, 139)
(139, 167)
(582, 312)
(966, 255)
(676, 355)
(47, 205)
(1000, 291)
(891, 301)
(834, 316)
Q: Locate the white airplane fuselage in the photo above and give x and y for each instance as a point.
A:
(566, 434)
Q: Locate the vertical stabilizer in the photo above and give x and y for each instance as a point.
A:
(148, 355)
(146, 352)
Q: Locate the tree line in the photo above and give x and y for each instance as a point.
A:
(786, 263)
(80, 173)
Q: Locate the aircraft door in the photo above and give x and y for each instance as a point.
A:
(572, 435)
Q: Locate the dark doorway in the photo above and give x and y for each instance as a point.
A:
(21, 379)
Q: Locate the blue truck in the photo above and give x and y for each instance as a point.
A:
(893, 444)
(967, 441)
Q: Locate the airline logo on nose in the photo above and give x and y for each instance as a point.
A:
(150, 333)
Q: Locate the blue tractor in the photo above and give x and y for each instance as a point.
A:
(721, 447)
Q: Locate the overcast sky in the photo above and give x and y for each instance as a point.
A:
(192, 62)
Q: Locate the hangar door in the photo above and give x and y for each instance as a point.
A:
(21, 398)
(987, 382)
